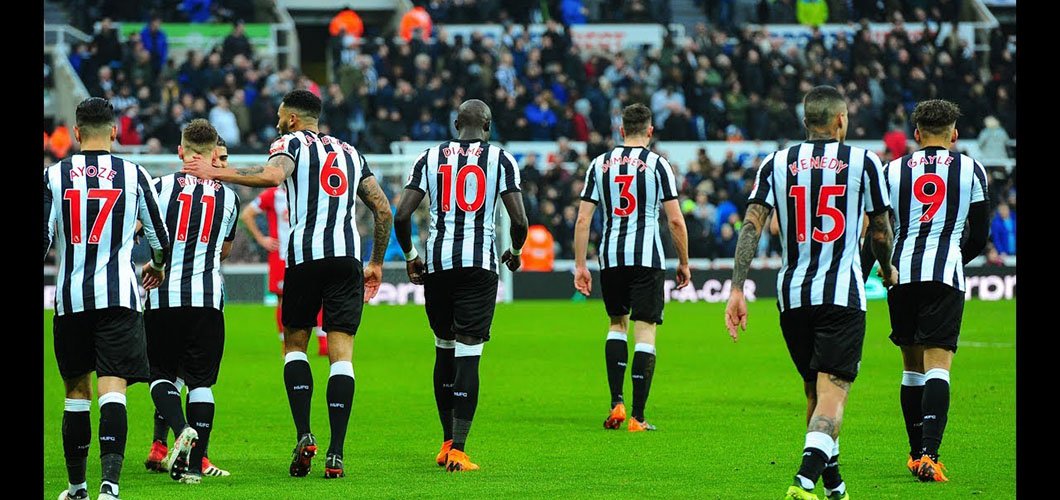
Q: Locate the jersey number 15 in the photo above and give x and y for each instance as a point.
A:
(823, 210)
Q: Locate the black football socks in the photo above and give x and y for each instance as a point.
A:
(465, 391)
(616, 354)
(200, 416)
(340, 403)
(815, 455)
(833, 481)
(444, 374)
(936, 408)
(113, 430)
(166, 397)
(642, 371)
(912, 396)
(298, 379)
(77, 437)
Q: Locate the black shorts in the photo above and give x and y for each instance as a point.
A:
(926, 313)
(634, 286)
(108, 341)
(185, 342)
(337, 283)
(825, 338)
(460, 302)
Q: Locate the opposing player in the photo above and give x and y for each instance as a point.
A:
(92, 201)
(273, 203)
(159, 459)
(184, 321)
(632, 182)
(935, 193)
(321, 175)
(820, 188)
(463, 179)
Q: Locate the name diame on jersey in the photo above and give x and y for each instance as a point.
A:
(817, 162)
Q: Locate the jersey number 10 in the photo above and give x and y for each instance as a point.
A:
(461, 187)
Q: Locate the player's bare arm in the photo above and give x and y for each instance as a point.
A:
(881, 237)
(679, 233)
(226, 250)
(373, 197)
(247, 216)
(753, 222)
(272, 174)
(583, 281)
(410, 200)
(49, 218)
(513, 203)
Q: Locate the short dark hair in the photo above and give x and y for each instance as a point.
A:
(820, 106)
(94, 114)
(636, 118)
(303, 101)
(221, 142)
(199, 137)
(936, 116)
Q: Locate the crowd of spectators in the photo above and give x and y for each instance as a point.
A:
(722, 82)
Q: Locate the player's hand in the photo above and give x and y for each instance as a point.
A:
(684, 276)
(152, 277)
(512, 261)
(198, 166)
(415, 268)
(269, 243)
(583, 281)
(373, 277)
(736, 314)
(888, 281)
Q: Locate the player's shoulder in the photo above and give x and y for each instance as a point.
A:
(285, 141)
(858, 151)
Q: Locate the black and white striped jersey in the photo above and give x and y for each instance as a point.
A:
(631, 183)
(820, 191)
(463, 180)
(92, 201)
(321, 196)
(931, 191)
(201, 215)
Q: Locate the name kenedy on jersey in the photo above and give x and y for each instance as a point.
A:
(817, 162)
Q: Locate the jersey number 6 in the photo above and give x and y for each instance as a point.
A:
(461, 187)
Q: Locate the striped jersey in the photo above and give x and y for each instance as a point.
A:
(821, 191)
(321, 196)
(201, 216)
(931, 191)
(463, 180)
(273, 203)
(92, 201)
(631, 183)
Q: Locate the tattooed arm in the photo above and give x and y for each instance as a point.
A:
(272, 174)
(746, 246)
(374, 198)
(881, 237)
(753, 223)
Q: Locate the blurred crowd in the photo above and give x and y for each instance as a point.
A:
(726, 81)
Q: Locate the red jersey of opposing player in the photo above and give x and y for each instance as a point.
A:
(273, 203)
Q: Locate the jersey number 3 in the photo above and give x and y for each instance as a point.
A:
(823, 210)
(628, 203)
(72, 197)
(461, 187)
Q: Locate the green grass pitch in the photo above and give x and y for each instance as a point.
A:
(730, 416)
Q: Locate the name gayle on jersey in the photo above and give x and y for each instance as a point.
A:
(818, 162)
(93, 171)
(186, 181)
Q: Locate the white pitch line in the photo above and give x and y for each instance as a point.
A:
(986, 344)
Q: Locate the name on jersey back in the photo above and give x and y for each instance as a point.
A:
(817, 162)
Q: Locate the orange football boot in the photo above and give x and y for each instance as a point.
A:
(931, 471)
(638, 426)
(159, 450)
(457, 461)
(617, 416)
(444, 454)
(913, 465)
